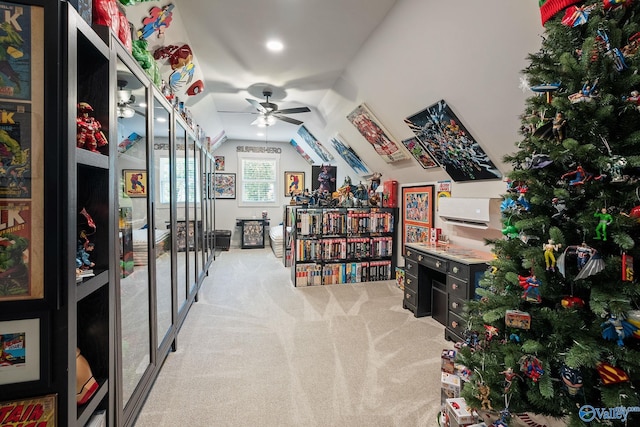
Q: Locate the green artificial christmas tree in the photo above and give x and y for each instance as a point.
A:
(554, 326)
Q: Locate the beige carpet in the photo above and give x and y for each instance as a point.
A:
(255, 351)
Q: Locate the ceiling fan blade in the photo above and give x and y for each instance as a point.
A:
(294, 110)
(239, 112)
(257, 105)
(287, 119)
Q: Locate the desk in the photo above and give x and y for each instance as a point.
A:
(438, 281)
(252, 232)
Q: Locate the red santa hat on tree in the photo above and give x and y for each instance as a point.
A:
(548, 8)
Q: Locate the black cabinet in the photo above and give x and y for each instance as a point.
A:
(438, 281)
(252, 232)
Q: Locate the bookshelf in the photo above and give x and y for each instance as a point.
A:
(331, 246)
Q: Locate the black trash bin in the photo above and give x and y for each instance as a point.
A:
(220, 239)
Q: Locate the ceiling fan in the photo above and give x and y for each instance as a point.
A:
(124, 99)
(269, 112)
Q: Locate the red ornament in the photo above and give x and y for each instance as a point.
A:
(572, 302)
(609, 374)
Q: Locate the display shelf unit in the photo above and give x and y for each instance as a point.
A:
(342, 245)
(288, 223)
(73, 62)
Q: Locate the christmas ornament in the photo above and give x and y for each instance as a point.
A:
(558, 126)
(604, 220)
(538, 161)
(589, 262)
(572, 302)
(549, 256)
(602, 42)
(490, 332)
(531, 286)
(547, 89)
(560, 206)
(571, 379)
(548, 8)
(609, 374)
(483, 394)
(617, 328)
(575, 16)
(633, 317)
(612, 4)
(511, 231)
(586, 94)
(627, 267)
(632, 47)
(509, 376)
(633, 98)
(517, 319)
(531, 366)
(580, 176)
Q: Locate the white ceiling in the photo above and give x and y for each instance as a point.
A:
(228, 39)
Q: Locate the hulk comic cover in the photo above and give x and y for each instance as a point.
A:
(15, 51)
(15, 150)
(15, 249)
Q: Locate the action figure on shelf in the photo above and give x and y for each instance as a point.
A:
(83, 261)
(549, 256)
(604, 220)
(86, 384)
(89, 133)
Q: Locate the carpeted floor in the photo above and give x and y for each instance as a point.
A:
(255, 351)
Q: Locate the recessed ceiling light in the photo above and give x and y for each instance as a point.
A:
(275, 45)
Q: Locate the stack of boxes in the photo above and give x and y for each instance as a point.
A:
(456, 413)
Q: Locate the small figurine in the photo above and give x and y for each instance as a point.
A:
(575, 16)
(558, 125)
(604, 220)
(580, 176)
(89, 134)
(560, 206)
(531, 286)
(509, 376)
(490, 332)
(375, 182)
(588, 260)
(571, 379)
(617, 328)
(483, 394)
(586, 94)
(83, 261)
(634, 98)
(531, 366)
(549, 256)
(631, 48)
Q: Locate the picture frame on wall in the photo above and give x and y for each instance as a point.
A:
(20, 341)
(219, 162)
(438, 129)
(315, 145)
(324, 178)
(224, 185)
(41, 410)
(417, 213)
(376, 135)
(135, 182)
(349, 155)
(294, 183)
(421, 155)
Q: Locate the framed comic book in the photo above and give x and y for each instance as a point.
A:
(417, 213)
(294, 183)
(22, 153)
(40, 411)
(20, 342)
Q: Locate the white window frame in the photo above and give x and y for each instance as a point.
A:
(240, 183)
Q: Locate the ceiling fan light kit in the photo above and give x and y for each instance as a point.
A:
(269, 113)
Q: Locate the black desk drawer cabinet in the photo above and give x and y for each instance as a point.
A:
(446, 279)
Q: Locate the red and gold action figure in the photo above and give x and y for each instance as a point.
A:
(89, 135)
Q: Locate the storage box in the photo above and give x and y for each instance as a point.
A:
(447, 364)
(460, 415)
(220, 239)
(517, 319)
(450, 385)
(390, 194)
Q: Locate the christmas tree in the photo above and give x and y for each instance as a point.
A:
(554, 326)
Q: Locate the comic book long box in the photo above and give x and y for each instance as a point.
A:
(36, 412)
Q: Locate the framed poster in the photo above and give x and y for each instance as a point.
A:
(135, 182)
(324, 178)
(224, 185)
(450, 144)
(419, 153)
(294, 183)
(19, 351)
(417, 213)
(22, 174)
(373, 131)
(219, 160)
(301, 151)
(315, 145)
(349, 155)
(39, 411)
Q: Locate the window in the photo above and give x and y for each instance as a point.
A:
(259, 179)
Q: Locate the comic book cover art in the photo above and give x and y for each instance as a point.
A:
(15, 150)
(12, 349)
(15, 51)
(15, 248)
(36, 412)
